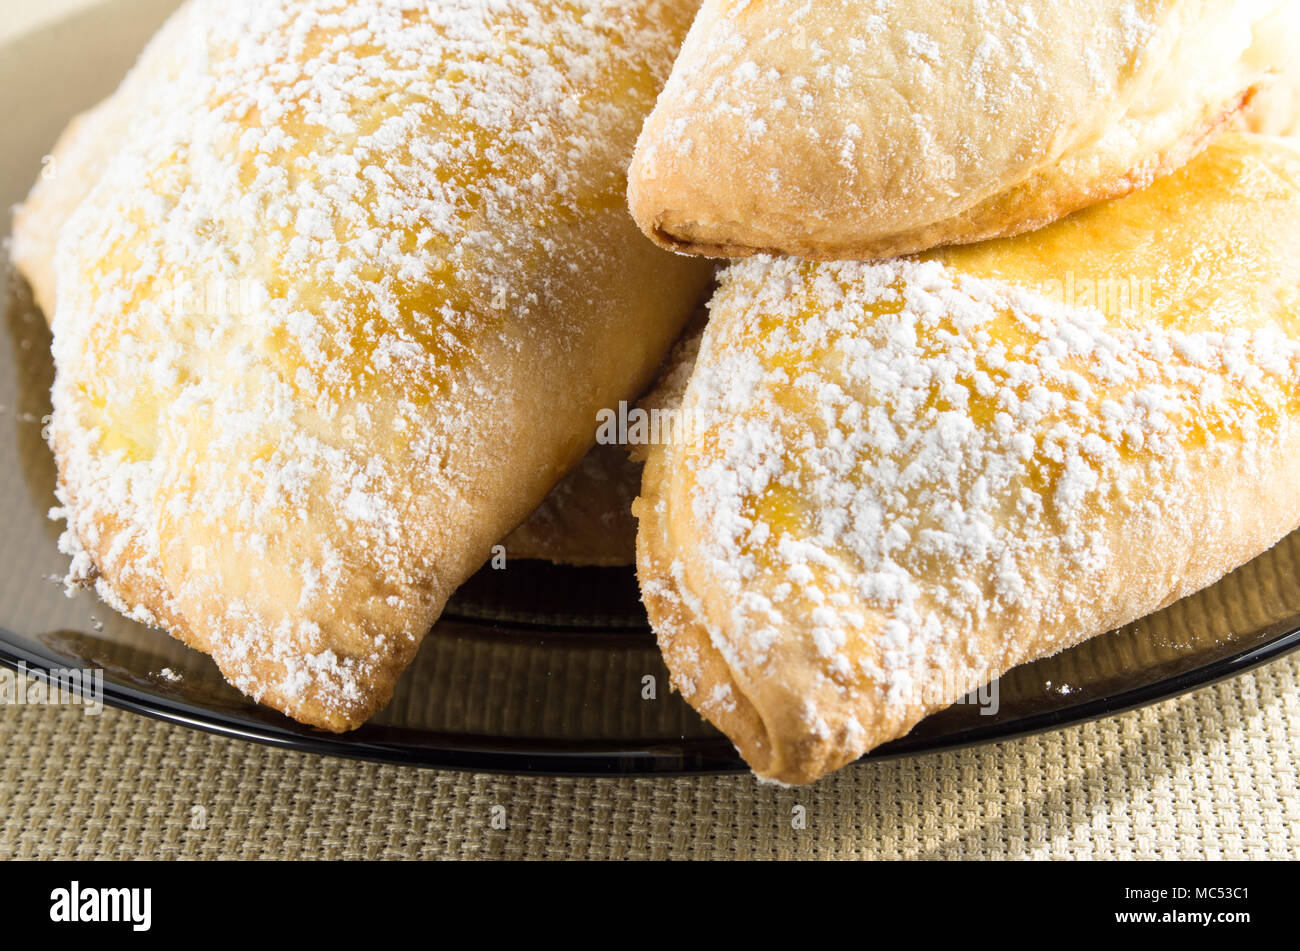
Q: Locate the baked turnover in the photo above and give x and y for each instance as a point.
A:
(339, 309)
(866, 129)
(892, 482)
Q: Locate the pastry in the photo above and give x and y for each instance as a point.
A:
(585, 520)
(339, 309)
(895, 481)
(866, 129)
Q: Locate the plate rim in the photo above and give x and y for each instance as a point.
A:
(691, 756)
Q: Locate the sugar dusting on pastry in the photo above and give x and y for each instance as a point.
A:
(865, 129)
(992, 50)
(902, 470)
(272, 304)
(914, 418)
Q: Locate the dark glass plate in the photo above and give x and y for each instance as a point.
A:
(544, 673)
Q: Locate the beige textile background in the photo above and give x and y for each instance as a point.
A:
(1213, 774)
(1209, 775)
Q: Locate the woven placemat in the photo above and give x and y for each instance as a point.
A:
(1209, 775)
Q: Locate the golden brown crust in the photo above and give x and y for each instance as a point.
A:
(1044, 198)
(903, 479)
(301, 389)
(851, 131)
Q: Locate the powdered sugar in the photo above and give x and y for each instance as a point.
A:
(383, 179)
(935, 450)
(864, 129)
(924, 53)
